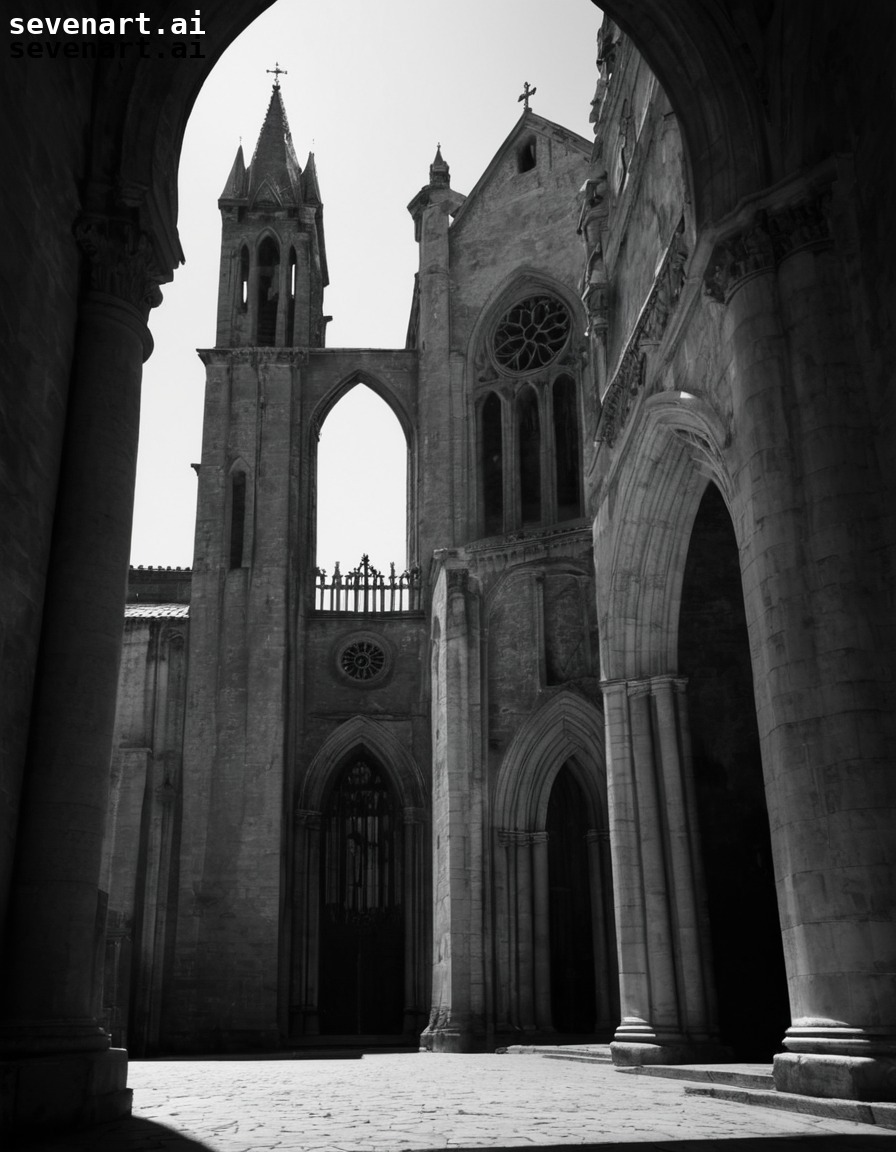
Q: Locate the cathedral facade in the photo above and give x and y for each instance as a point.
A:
(610, 756)
(361, 827)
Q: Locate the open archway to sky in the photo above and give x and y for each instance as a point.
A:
(361, 485)
(371, 89)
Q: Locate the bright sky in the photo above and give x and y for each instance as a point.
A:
(371, 89)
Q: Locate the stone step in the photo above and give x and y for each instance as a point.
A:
(738, 1075)
(881, 1114)
(585, 1053)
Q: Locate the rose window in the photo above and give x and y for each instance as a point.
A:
(531, 334)
(362, 660)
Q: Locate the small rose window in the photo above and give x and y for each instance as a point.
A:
(362, 660)
(531, 334)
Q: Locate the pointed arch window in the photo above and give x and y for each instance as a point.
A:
(567, 446)
(529, 429)
(492, 464)
(361, 909)
(529, 454)
(291, 288)
(268, 292)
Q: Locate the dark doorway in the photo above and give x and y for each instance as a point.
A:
(362, 922)
(573, 1002)
(714, 654)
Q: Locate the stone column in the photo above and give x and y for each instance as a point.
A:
(457, 1016)
(667, 1015)
(58, 1066)
(817, 599)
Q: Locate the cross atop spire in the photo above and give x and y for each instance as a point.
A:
(278, 72)
(525, 94)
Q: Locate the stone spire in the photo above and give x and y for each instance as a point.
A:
(310, 186)
(274, 172)
(235, 188)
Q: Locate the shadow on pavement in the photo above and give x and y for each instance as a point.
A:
(139, 1135)
(131, 1135)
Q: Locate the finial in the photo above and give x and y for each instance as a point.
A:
(525, 94)
(277, 72)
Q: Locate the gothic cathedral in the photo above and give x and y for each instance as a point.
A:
(368, 807)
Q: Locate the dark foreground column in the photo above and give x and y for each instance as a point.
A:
(57, 1068)
(818, 597)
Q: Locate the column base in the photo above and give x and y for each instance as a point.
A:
(866, 1078)
(628, 1054)
(63, 1090)
(450, 1037)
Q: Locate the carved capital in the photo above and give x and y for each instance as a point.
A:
(308, 818)
(120, 260)
(772, 236)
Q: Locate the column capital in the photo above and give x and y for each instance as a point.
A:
(121, 260)
(414, 815)
(773, 234)
(308, 817)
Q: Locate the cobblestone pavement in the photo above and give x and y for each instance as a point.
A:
(417, 1101)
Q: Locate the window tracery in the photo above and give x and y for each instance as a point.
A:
(528, 428)
(531, 334)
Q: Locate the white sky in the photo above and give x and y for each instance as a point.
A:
(372, 88)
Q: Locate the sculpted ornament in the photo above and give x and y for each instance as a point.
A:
(121, 261)
(772, 236)
(652, 323)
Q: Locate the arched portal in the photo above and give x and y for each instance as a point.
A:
(553, 884)
(360, 889)
(714, 655)
(361, 903)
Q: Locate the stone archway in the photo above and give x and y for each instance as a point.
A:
(562, 739)
(666, 981)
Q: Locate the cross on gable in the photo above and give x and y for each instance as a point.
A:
(525, 94)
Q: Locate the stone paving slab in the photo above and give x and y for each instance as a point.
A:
(418, 1101)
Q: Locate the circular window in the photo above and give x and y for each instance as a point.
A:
(531, 334)
(363, 659)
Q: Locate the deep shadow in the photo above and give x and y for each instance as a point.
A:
(714, 654)
(131, 1135)
(137, 1135)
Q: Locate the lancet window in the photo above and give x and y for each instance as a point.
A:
(268, 292)
(244, 279)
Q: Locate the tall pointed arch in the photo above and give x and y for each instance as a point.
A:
(362, 731)
(566, 728)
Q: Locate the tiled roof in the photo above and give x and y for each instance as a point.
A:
(148, 611)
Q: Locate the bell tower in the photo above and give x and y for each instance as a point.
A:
(252, 542)
(273, 259)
